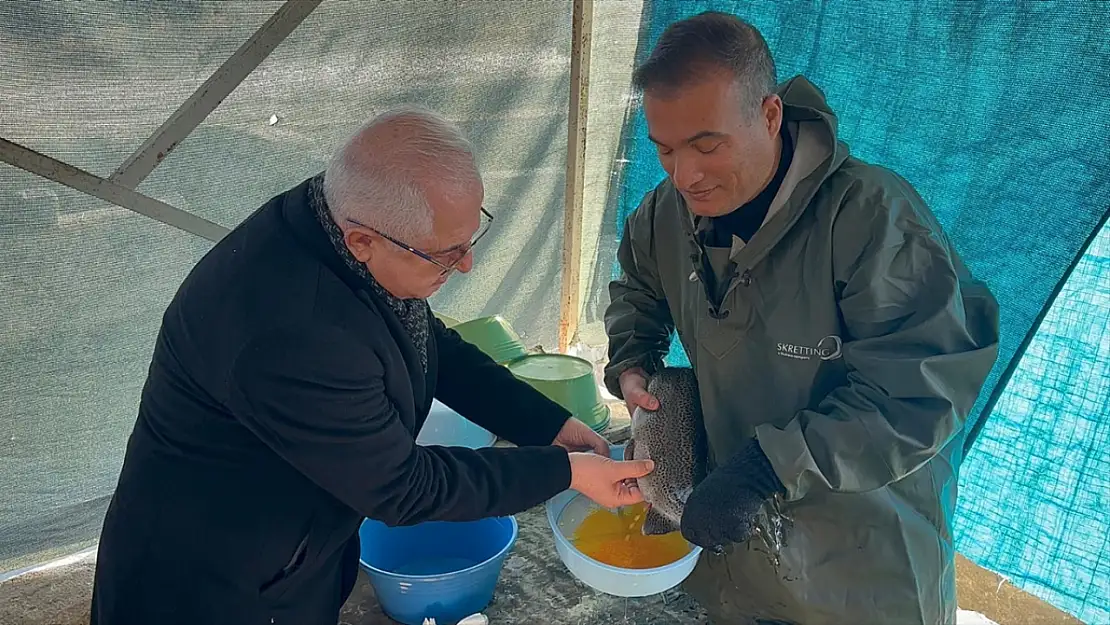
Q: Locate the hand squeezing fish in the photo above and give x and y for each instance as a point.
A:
(674, 439)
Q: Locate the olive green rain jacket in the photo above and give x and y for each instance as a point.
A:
(852, 342)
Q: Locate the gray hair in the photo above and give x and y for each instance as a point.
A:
(706, 42)
(379, 176)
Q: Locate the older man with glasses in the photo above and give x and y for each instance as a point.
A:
(292, 372)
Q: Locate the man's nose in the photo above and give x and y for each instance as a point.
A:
(686, 172)
(467, 262)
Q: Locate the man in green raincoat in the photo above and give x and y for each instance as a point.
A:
(839, 343)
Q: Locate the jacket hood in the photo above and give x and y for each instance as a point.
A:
(804, 102)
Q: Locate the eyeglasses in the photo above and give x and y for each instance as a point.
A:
(460, 253)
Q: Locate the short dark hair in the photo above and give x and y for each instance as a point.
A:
(710, 41)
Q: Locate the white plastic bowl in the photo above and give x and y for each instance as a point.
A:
(448, 428)
(566, 511)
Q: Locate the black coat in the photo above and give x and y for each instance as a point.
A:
(280, 409)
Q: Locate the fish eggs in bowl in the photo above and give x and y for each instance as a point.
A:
(606, 550)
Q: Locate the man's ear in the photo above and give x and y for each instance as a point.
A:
(772, 113)
(360, 243)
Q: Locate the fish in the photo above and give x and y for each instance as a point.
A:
(673, 438)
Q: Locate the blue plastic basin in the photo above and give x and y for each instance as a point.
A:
(565, 512)
(442, 570)
(448, 428)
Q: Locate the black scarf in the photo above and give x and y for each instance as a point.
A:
(413, 313)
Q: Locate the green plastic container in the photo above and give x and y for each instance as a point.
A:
(450, 322)
(494, 336)
(567, 380)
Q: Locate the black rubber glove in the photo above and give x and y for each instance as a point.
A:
(724, 506)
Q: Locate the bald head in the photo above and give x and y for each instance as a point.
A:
(386, 173)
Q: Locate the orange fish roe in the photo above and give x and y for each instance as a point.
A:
(618, 540)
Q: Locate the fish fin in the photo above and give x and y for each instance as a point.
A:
(629, 449)
(684, 494)
(656, 524)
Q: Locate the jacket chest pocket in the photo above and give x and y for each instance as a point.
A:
(722, 331)
(716, 336)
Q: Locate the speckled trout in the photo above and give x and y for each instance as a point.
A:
(674, 439)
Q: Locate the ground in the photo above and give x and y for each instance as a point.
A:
(534, 587)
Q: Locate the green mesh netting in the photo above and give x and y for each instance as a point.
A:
(997, 114)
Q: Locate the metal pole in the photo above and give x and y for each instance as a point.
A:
(581, 31)
(208, 96)
(85, 182)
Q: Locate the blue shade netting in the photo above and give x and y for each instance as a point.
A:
(997, 114)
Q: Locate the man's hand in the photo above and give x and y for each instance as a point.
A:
(577, 436)
(723, 507)
(606, 481)
(634, 388)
